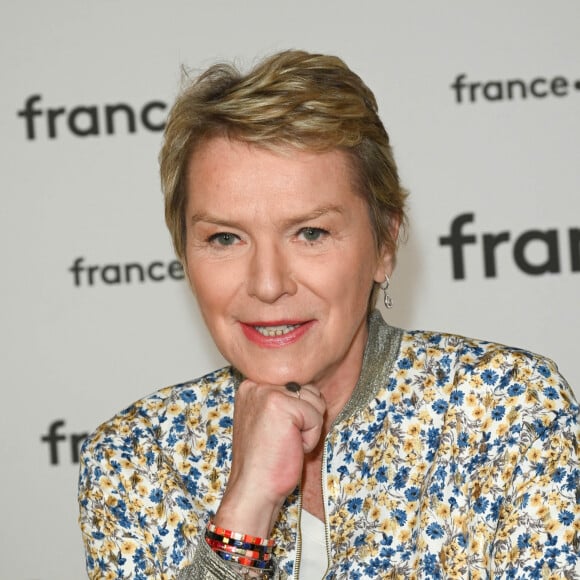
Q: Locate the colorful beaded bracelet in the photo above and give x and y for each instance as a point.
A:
(216, 545)
(252, 553)
(256, 540)
(249, 562)
(238, 543)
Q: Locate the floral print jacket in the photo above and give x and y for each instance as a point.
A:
(454, 458)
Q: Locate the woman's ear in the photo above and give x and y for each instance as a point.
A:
(387, 254)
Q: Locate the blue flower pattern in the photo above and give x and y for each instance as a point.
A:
(465, 465)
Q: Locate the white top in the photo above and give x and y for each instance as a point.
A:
(314, 560)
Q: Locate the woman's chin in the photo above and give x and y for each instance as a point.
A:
(276, 376)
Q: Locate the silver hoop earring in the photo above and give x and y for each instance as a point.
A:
(384, 287)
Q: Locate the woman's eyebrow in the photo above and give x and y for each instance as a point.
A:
(212, 219)
(287, 223)
(312, 215)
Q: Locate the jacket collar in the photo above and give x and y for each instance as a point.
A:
(380, 353)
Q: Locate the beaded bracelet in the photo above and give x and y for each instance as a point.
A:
(249, 552)
(256, 540)
(216, 545)
(261, 550)
(249, 562)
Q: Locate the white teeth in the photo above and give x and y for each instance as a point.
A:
(276, 330)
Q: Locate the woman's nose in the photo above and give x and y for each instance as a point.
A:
(270, 275)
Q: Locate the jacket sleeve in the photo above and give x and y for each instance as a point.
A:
(207, 566)
(126, 502)
(117, 545)
(538, 532)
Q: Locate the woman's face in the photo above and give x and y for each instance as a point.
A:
(281, 257)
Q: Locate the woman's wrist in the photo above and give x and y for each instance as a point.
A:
(247, 513)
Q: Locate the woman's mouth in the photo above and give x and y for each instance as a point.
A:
(278, 330)
(276, 334)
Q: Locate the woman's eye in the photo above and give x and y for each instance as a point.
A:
(312, 234)
(223, 239)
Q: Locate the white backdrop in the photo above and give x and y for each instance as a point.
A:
(73, 187)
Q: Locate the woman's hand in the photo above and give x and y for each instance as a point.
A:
(273, 429)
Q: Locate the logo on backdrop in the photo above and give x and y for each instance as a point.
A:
(84, 274)
(42, 121)
(466, 90)
(550, 240)
(63, 447)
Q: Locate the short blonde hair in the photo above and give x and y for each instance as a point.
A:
(292, 99)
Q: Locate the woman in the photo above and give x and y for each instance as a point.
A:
(334, 445)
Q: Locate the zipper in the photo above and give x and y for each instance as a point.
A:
(325, 504)
(296, 570)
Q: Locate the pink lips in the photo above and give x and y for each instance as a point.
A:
(249, 330)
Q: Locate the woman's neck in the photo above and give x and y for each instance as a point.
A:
(337, 388)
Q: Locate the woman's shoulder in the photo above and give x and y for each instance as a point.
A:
(433, 342)
(168, 410)
(485, 373)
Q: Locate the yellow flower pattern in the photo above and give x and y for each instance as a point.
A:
(460, 460)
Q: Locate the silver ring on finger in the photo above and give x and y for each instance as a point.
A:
(294, 387)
